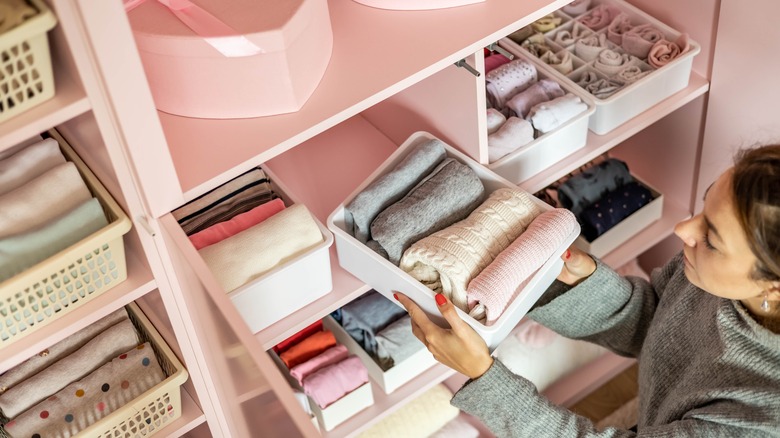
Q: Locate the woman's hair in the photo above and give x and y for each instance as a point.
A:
(756, 186)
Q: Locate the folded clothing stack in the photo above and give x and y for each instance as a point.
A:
(420, 418)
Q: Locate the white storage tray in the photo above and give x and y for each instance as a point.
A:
(393, 378)
(633, 99)
(385, 277)
(549, 148)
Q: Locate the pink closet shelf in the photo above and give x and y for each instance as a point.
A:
(191, 417)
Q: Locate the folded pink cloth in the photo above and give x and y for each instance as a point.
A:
(512, 135)
(329, 384)
(508, 80)
(495, 287)
(611, 62)
(29, 163)
(576, 7)
(619, 26)
(541, 91)
(663, 52)
(640, 39)
(589, 47)
(223, 230)
(495, 60)
(600, 16)
(328, 357)
(495, 119)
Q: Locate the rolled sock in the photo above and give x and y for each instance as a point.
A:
(507, 80)
(308, 348)
(328, 357)
(600, 16)
(610, 62)
(664, 52)
(391, 187)
(221, 231)
(495, 287)
(567, 37)
(619, 26)
(494, 120)
(546, 23)
(589, 47)
(329, 384)
(640, 39)
(512, 135)
(577, 7)
(599, 88)
(447, 260)
(536, 44)
(561, 62)
(587, 187)
(29, 163)
(612, 208)
(366, 316)
(447, 195)
(630, 74)
(541, 91)
(495, 60)
(396, 343)
(547, 116)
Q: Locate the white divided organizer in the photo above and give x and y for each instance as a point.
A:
(630, 99)
(551, 147)
(385, 277)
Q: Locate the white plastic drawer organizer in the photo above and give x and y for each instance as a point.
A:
(632, 98)
(385, 277)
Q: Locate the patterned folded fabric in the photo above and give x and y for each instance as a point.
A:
(640, 39)
(536, 44)
(561, 62)
(588, 186)
(491, 292)
(619, 26)
(223, 230)
(507, 80)
(308, 348)
(396, 343)
(541, 91)
(366, 316)
(630, 74)
(613, 208)
(328, 357)
(611, 62)
(329, 384)
(495, 60)
(600, 16)
(446, 261)
(494, 120)
(589, 47)
(309, 330)
(546, 23)
(567, 37)
(447, 195)
(547, 116)
(29, 163)
(21, 251)
(512, 135)
(577, 7)
(113, 341)
(42, 199)
(418, 418)
(82, 403)
(663, 52)
(391, 187)
(251, 253)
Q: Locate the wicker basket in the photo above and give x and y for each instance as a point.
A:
(154, 409)
(26, 77)
(70, 278)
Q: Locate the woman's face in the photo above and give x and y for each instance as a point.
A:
(717, 256)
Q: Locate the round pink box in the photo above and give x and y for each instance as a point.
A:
(291, 40)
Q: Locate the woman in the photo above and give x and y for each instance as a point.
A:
(705, 329)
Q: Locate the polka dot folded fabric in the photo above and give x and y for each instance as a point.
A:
(83, 403)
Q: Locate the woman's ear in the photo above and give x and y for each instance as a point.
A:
(773, 291)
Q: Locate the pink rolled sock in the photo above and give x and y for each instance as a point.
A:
(576, 7)
(329, 384)
(640, 39)
(328, 357)
(507, 80)
(494, 288)
(221, 231)
(664, 52)
(619, 26)
(600, 16)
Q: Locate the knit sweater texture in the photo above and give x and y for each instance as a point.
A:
(706, 368)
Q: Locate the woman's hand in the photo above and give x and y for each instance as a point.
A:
(577, 266)
(459, 347)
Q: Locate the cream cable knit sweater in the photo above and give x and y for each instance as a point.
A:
(447, 260)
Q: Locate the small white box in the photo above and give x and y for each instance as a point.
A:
(633, 99)
(626, 228)
(338, 411)
(393, 378)
(551, 147)
(385, 277)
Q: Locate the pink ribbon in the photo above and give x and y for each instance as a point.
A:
(213, 30)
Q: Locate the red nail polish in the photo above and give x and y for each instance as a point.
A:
(395, 296)
(568, 254)
(441, 299)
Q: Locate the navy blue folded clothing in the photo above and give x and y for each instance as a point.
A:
(613, 208)
(580, 191)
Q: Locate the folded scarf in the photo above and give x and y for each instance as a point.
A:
(448, 260)
(221, 231)
(599, 88)
(21, 251)
(567, 37)
(612, 208)
(237, 196)
(328, 357)
(600, 16)
(495, 60)
(421, 417)
(619, 26)
(536, 44)
(309, 330)
(494, 120)
(640, 39)
(106, 345)
(507, 80)
(366, 316)
(541, 91)
(577, 7)
(611, 62)
(546, 23)
(41, 361)
(562, 62)
(589, 47)
(512, 135)
(82, 403)
(29, 163)
(43, 199)
(389, 188)
(547, 116)
(491, 292)
(308, 348)
(447, 195)
(630, 74)
(663, 52)
(583, 189)
(521, 34)
(251, 253)
(396, 343)
(329, 384)
(458, 427)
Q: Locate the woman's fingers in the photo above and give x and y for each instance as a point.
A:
(449, 313)
(577, 265)
(419, 318)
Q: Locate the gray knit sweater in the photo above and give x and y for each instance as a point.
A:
(706, 368)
